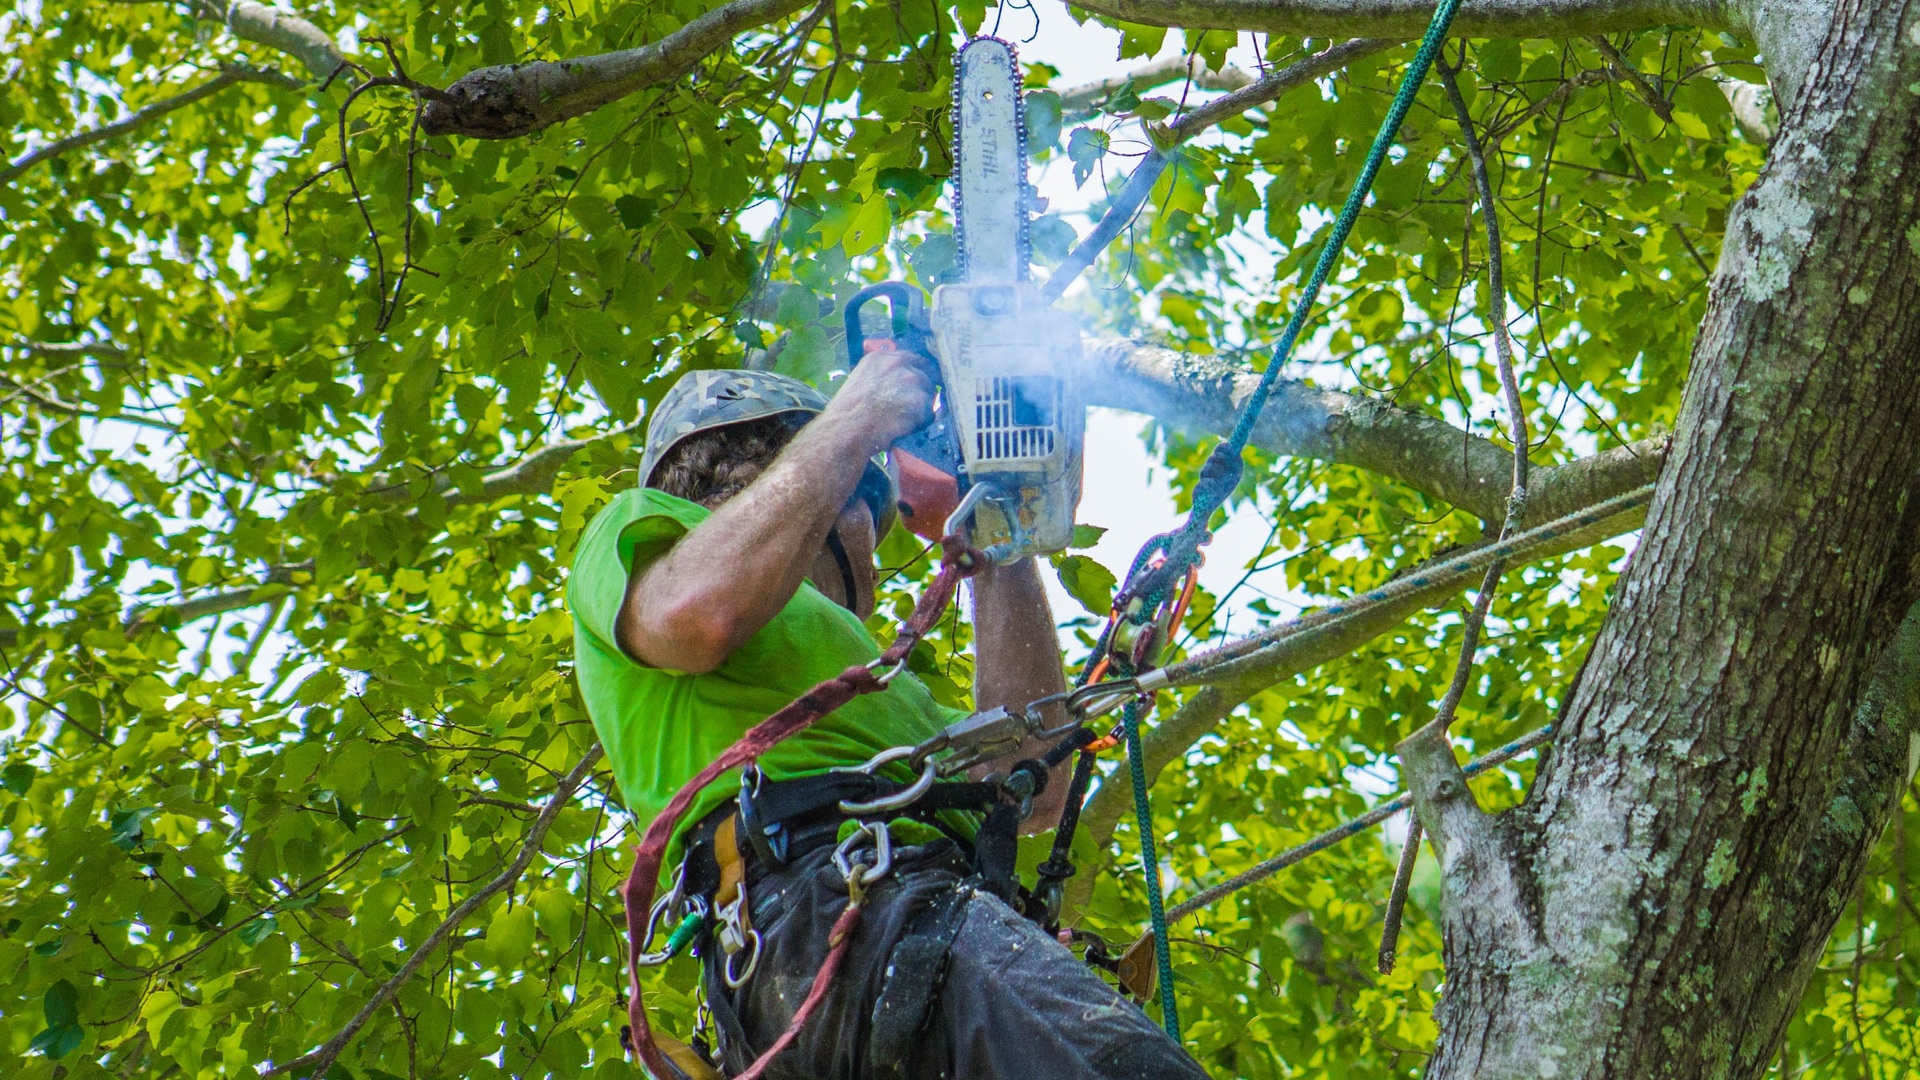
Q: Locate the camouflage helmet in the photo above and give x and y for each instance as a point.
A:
(705, 400)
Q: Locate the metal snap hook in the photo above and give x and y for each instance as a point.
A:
(903, 798)
(750, 946)
(859, 871)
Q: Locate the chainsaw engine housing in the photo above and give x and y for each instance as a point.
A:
(1001, 349)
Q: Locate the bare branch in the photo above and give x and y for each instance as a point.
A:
(533, 475)
(1213, 894)
(510, 100)
(1293, 655)
(1409, 18)
(1078, 102)
(276, 28)
(1623, 67)
(321, 1059)
(1140, 184)
(1267, 88)
(92, 349)
(143, 115)
(35, 392)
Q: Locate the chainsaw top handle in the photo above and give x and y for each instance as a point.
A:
(907, 312)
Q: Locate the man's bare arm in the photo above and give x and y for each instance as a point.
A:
(692, 607)
(1017, 661)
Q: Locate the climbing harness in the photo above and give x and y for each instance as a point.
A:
(957, 561)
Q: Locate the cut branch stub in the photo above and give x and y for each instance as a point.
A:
(510, 100)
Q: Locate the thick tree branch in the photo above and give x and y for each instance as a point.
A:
(143, 115)
(511, 100)
(1409, 18)
(276, 29)
(1202, 394)
(321, 1059)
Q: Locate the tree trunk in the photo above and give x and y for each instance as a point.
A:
(1741, 732)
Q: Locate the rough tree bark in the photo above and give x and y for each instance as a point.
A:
(1741, 733)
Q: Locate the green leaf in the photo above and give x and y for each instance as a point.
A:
(634, 211)
(909, 184)
(809, 355)
(61, 1005)
(17, 777)
(1086, 536)
(867, 227)
(1052, 238)
(1086, 581)
(123, 826)
(933, 257)
(510, 934)
(147, 693)
(1155, 108)
(1043, 120)
(1085, 147)
(253, 933)
(57, 1042)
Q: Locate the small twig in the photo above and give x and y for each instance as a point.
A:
(13, 683)
(1590, 77)
(1648, 92)
(1397, 898)
(1355, 827)
(319, 1061)
(1496, 318)
(286, 204)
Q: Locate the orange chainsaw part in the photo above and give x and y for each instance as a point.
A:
(927, 496)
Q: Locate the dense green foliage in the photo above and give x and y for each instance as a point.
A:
(233, 365)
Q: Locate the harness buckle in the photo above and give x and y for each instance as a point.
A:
(737, 937)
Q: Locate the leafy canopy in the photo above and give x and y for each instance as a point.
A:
(283, 639)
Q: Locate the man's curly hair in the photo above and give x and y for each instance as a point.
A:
(710, 467)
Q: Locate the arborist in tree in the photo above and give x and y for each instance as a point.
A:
(735, 577)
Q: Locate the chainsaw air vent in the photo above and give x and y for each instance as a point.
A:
(1014, 419)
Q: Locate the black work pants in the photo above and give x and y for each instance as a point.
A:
(1011, 1002)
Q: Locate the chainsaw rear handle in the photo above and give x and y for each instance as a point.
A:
(907, 317)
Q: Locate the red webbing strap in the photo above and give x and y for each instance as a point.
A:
(836, 951)
(958, 561)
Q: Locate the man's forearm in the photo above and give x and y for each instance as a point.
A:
(737, 569)
(1017, 662)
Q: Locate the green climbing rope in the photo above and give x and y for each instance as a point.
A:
(1218, 483)
(1150, 865)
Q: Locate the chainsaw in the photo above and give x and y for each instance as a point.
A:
(1001, 461)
